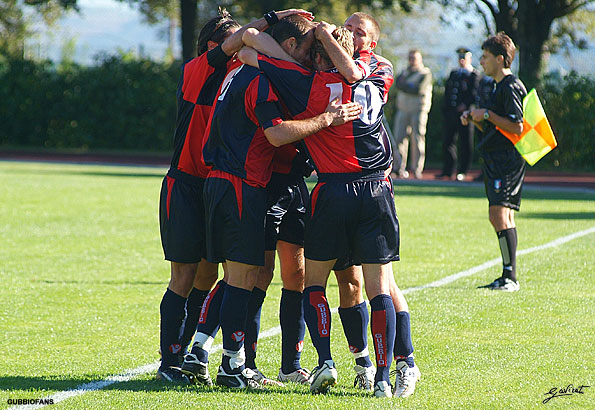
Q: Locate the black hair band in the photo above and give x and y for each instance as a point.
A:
(271, 18)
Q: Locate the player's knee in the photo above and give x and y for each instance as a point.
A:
(293, 280)
(264, 278)
(182, 278)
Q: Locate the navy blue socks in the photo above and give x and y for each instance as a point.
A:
(403, 345)
(253, 325)
(293, 328)
(172, 315)
(193, 307)
(355, 322)
(383, 334)
(318, 318)
(232, 316)
(208, 322)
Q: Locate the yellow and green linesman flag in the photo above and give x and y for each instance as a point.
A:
(537, 138)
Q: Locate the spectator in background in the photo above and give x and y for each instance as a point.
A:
(460, 94)
(413, 103)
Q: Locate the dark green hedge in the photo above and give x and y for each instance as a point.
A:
(123, 103)
(120, 103)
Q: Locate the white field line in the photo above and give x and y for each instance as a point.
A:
(149, 368)
(497, 261)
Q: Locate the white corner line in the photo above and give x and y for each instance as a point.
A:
(149, 368)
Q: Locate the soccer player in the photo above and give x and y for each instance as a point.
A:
(284, 231)
(353, 311)
(245, 127)
(181, 205)
(287, 196)
(503, 167)
(352, 209)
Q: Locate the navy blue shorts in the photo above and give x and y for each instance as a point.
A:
(182, 217)
(504, 172)
(235, 214)
(354, 222)
(288, 197)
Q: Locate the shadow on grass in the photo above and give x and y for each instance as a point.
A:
(34, 387)
(52, 383)
(289, 388)
(560, 215)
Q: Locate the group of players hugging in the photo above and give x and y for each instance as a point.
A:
(259, 109)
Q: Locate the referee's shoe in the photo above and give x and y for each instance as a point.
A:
(503, 284)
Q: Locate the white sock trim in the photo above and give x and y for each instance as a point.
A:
(203, 341)
(363, 353)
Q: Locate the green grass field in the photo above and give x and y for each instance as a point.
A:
(82, 275)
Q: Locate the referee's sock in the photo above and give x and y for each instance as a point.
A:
(293, 329)
(172, 315)
(193, 307)
(355, 322)
(318, 318)
(383, 334)
(507, 239)
(253, 325)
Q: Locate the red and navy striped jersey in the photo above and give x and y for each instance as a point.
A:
(378, 70)
(235, 142)
(199, 82)
(359, 146)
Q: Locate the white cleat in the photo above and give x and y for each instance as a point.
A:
(382, 389)
(265, 381)
(365, 377)
(406, 379)
(323, 377)
(300, 376)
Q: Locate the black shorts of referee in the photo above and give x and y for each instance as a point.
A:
(504, 172)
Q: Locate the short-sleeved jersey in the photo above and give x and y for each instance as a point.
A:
(235, 143)
(507, 102)
(199, 82)
(354, 147)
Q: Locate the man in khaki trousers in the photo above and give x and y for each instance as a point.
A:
(414, 101)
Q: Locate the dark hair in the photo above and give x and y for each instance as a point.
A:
(215, 30)
(292, 26)
(500, 45)
(345, 39)
(375, 32)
